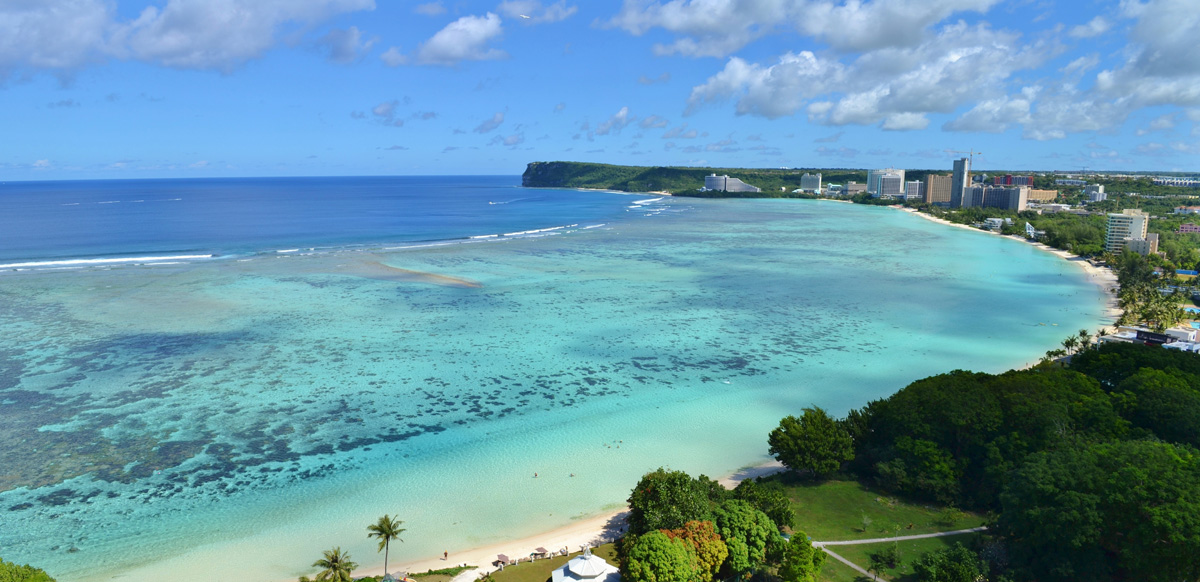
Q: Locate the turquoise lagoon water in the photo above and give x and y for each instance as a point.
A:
(231, 419)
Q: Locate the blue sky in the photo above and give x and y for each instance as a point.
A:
(195, 88)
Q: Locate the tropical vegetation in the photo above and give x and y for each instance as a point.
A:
(386, 529)
(10, 572)
(335, 566)
(1090, 467)
(685, 529)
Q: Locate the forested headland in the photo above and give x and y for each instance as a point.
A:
(679, 181)
(1087, 470)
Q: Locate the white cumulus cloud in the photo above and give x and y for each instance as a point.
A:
(345, 46)
(465, 39)
(1095, 27)
(221, 34)
(490, 124)
(718, 28)
(616, 123)
(54, 34)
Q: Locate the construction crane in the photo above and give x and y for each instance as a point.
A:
(969, 153)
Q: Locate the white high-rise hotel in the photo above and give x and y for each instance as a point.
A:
(1128, 226)
(894, 182)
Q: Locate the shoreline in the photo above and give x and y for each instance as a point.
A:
(1103, 278)
(608, 526)
(593, 531)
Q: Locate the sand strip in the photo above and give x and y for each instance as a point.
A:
(592, 531)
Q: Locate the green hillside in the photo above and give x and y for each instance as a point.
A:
(676, 180)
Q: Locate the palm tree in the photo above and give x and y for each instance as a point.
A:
(1085, 340)
(1070, 344)
(336, 566)
(387, 529)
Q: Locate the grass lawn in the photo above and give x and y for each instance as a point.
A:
(833, 510)
(910, 551)
(539, 571)
(835, 571)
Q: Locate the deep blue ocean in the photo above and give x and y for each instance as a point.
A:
(98, 219)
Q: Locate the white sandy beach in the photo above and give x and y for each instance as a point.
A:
(592, 531)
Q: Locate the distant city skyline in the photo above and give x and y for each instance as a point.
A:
(214, 88)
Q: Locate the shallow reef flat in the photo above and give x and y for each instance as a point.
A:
(235, 418)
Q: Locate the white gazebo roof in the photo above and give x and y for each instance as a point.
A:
(587, 567)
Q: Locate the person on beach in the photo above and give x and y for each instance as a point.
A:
(446, 555)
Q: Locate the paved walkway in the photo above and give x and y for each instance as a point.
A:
(902, 538)
(839, 558)
(860, 570)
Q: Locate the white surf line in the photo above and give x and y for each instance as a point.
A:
(84, 262)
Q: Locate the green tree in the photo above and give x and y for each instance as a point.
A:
(1165, 403)
(655, 557)
(957, 564)
(814, 442)
(667, 500)
(801, 561)
(386, 529)
(747, 532)
(770, 498)
(706, 544)
(921, 466)
(11, 572)
(335, 566)
(1123, 510)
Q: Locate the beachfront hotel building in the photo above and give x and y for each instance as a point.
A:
(1011, 180)
(1003, 197)
(914, 189)
(1129, 225)
(810, 182)
(890, 186)
(937, 189)
(875, 177)
(960, 181)
(726, 184)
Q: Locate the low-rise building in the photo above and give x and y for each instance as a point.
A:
(1188, 229)
(1187, 210)
(996, 224)
(1070, 182)
(1095, 193)
(1049, 208)
(1036, 195)
(1143, 246)
(1182, 182)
